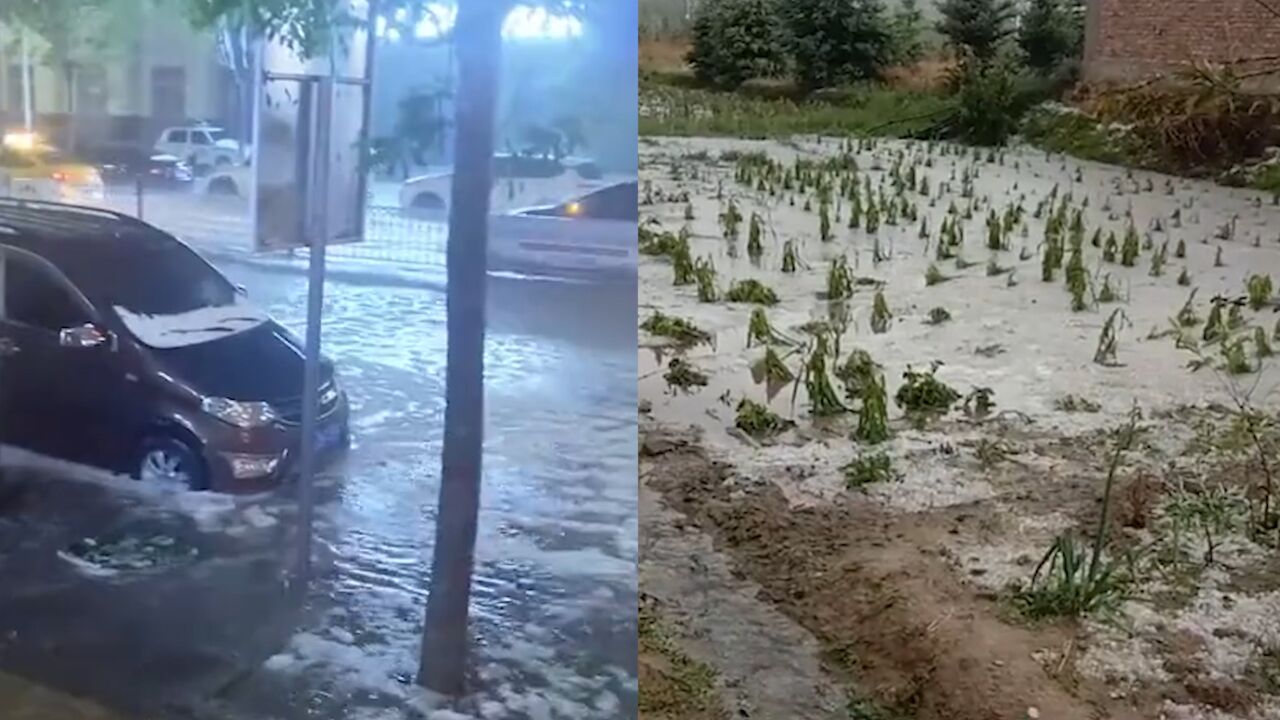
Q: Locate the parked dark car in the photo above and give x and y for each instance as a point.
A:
(120, 347)
(126, 164)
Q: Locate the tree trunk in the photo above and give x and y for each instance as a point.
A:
(478, 42)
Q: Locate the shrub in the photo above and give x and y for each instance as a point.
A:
(1048, 34)
(704, 274)
(977, 26)
(1259, 289)
(880, 315)
(682, 375)
(832, 41)
(858, 373)
(923, 392)
(759, 330)
(823, 401)
(757, 420)
(1066, 583)
(1206, 120)
(869, 470)
(873, 414)
(751, 291)
(789, 256)
(734, 41)
(676, 328)
(989, 103)
(839, 279)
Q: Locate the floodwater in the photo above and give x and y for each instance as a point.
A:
(554, 595)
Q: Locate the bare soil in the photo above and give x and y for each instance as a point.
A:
(879, 594)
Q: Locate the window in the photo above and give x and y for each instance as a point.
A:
(589, 171)
(177, 136)
(91, 90)
(169, 93)
(34, 295)
(157, 276)
(200, 138)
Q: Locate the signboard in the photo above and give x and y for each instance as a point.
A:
(308, 160)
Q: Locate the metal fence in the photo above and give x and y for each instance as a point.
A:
(223, 225)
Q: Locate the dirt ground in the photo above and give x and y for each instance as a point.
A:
(901, 598)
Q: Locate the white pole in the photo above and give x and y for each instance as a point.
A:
(26, 80)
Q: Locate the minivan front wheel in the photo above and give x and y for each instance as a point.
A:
(172, 462)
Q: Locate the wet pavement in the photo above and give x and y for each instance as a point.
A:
(554, 603)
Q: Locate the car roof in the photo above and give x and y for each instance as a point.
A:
(78, 240)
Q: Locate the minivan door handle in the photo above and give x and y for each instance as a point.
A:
(8, 347)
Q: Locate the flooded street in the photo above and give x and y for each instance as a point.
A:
(555, 593)
(214, 634)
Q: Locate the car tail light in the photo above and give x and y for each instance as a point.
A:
(58, 176)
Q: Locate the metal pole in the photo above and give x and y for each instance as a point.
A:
(138, 182)
(26, 80)
(318, 211)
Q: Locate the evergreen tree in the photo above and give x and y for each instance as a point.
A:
(978, 26)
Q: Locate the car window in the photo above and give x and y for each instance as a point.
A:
(588, 171)
(537, 167)
(36, 295)
(199, 138)
(216, 135)
(177, 136)
(616, 202)
(161, 278)
(526, 167)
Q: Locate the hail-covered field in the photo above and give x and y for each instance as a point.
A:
(902, 383)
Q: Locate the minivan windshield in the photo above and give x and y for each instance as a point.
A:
(168, 297)
(165, 279)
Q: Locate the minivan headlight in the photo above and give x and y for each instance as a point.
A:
(239, 413)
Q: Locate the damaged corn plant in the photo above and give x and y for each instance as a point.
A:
(823, 401)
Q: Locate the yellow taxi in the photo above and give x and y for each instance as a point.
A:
(33, 169)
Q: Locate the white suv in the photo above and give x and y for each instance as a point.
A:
(203, 147)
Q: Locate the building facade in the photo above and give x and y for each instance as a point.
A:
(166, 74)
(1130, 40)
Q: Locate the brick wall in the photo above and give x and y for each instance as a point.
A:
(1132, 39)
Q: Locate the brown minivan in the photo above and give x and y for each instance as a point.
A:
(120, 347)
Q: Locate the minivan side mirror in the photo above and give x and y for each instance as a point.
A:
(86, 336)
